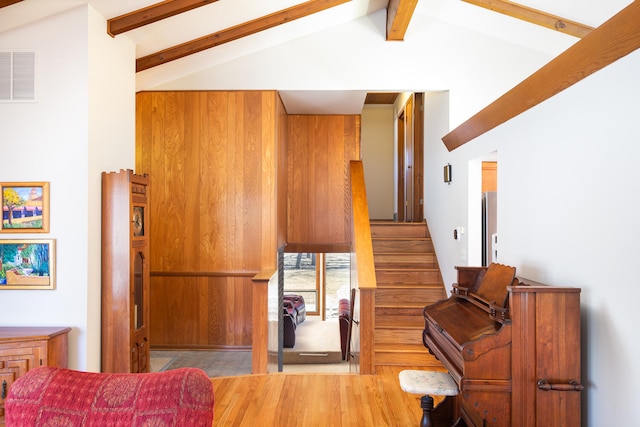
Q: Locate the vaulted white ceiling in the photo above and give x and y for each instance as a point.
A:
(223, 14)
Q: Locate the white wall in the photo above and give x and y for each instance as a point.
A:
(377, 124)
(568, 181)
(567, 168)
(475, 68)
(59, 138)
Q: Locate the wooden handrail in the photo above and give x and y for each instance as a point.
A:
(612, 40)
(361, 228)
(364, 276)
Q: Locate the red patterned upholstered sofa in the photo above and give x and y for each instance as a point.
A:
(64, 397)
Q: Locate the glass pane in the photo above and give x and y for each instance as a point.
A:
(338, 275)
(138, 278)
(300, 278)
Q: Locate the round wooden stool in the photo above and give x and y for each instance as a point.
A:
(427, 383)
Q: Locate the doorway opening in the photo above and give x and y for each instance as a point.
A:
(322, 279)
(483, 210)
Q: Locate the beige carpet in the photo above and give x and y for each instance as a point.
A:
(317, 342)
(160, 363)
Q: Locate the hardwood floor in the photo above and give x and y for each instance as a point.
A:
(308, 400)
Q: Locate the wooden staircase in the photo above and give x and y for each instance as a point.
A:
(408, 278)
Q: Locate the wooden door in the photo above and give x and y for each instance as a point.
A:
(408, 160)
(410, 133)
(401, 167)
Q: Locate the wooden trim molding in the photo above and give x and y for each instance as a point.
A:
(5, 3)
(399, 14)
(235, 33)
(150, 14)
(614, 39)
(534, 16)
(203, 273)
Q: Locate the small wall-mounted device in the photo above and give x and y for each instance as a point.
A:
(447, 174)
(457, 233)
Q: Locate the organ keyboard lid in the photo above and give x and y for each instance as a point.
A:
(476, 309)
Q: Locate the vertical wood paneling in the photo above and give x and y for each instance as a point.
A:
(281, 173)
(252, 181)
(211, 159)
(172, 225)
(298, 190)
(268, 190)
(320, 178)
(212, 143)
(318, 154)
(174, 321)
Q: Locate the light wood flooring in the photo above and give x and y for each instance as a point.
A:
(308, 400)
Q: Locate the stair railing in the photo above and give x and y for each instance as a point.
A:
(363, 275)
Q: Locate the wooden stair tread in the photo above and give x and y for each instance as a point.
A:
(399, 327)
(401, 305)
(404, 285)
(401, 348)
(408, 279)
(390, 323)
(400, 238)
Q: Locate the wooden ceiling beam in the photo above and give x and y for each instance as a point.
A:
(234, 33)
(534, 16)
(614, 39)
(399, 14)
(150, 14)
(5, 3)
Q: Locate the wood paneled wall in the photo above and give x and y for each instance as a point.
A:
(225, 169)
(212, 161)
(319, 201)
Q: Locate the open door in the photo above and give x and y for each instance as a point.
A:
(410, 131)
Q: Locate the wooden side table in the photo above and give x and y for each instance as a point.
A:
(25, 348)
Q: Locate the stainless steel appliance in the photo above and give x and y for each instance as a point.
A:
(489, 227)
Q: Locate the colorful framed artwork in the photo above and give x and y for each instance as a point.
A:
(27, 264)
(25, 207)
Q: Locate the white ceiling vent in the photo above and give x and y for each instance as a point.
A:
(17, 76)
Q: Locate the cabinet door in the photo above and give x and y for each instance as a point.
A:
(15, 362)
(140, 352)
(6, 379)
(143, 353)
(135, 356)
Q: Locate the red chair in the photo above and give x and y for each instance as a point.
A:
(58, 396)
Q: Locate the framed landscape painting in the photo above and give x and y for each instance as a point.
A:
(27, 264)
(25, 207)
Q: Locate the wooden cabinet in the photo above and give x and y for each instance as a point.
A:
(546, 379)
(125, 272)
(25, 348)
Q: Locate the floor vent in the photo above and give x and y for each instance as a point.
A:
(17, 76)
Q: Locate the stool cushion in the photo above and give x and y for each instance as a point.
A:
(428, 382)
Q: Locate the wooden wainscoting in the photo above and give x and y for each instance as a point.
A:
(201, 311)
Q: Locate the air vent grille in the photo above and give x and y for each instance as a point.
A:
(17, 76)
